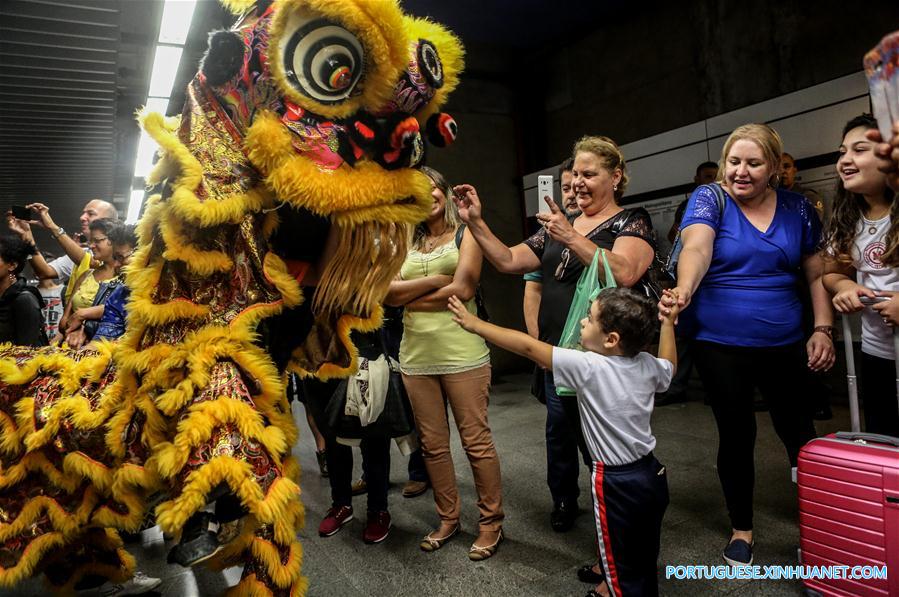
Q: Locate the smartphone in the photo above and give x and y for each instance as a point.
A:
(868, 301)
(545, 190)
(881, 65)
(22, 213)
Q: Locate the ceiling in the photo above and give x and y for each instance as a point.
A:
(73, 73)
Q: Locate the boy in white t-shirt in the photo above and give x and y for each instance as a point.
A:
(615, 384)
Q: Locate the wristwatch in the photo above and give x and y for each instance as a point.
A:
(59, 232)
(824, 329)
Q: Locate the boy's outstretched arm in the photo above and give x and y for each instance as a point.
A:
(512, 340)
(667, 345)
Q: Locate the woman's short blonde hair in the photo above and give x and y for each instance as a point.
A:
(609, 154)
(766, 138)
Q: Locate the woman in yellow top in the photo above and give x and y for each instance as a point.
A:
(88, 284)
(442, 363)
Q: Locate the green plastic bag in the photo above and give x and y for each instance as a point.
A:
(588, 288)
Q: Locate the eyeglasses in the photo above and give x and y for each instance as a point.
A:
(566, 257)
(122, 257)
(97, 241)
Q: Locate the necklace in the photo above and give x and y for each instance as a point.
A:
(432, 241)
(872, 217)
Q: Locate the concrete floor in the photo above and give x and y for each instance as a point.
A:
(533, 561)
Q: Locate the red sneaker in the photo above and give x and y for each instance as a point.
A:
(334, 520)
(377, 528)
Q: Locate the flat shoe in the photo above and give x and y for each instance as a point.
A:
(477, 553)
(586, 574)
(430, 543)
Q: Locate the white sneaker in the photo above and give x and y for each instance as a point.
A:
(138, 585)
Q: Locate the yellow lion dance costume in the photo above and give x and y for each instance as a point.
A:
(291, 171)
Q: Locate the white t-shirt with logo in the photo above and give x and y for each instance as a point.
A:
(615, 396)
(869, 245)
(53, 308)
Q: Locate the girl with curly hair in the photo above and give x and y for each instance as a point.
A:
(861, 261)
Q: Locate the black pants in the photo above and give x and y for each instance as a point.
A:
(681, 380)
(375, 452)
(629, 502)
(376, 467)
(877, 387)
(731, 374)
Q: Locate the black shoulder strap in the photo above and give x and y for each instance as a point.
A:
(460, 231)
(36, 294)
(719, 195)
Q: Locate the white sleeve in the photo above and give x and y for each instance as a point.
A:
(570, 367)
(665, 373)
(63, 266)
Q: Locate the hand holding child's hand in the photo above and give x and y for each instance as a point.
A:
(670, 306)
(461, 315)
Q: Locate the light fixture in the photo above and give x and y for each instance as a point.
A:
(173, 29)
(176, 18)
(165, 67)
(134, 205)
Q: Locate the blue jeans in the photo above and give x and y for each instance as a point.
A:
(563, 439)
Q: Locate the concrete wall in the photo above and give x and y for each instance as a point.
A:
(486, 155)
(677, 63)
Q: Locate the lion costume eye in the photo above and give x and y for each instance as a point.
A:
(322, 60)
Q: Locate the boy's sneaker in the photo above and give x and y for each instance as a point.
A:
(334, 520)
(738, 553)
(138, 585)
(377, 528)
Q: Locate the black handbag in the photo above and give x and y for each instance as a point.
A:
(395, 420)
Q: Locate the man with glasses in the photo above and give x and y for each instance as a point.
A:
(533, 281)
(563, 514)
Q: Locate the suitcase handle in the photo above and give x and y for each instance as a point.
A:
(874, 438)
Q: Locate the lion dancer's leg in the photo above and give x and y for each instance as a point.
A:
(55, 469)
(233, 448)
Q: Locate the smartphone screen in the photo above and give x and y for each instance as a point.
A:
(22, 213)
(544, 191)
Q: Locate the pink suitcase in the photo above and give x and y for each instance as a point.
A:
(849, 502)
